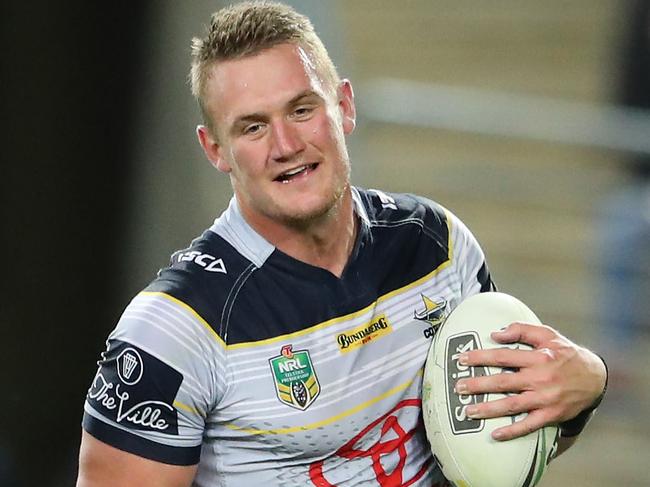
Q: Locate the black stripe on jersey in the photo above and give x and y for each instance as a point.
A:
(285, 295)
(407, 238)
(137, 445)
(485, 280)
(413, 239)
(206, 292)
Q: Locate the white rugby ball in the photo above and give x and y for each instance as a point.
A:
(463, 447)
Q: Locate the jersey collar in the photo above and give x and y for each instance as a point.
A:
(234, 229)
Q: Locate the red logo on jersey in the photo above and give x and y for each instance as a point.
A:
(287, 351)
(389, 427)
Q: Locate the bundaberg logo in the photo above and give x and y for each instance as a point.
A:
(296, 384)
(352, 339)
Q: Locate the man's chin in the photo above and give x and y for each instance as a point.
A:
(305, 211)
(306, 217)
(308, 214)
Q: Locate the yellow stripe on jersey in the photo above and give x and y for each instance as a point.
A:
(332, 419)
(325, 324)
(306, 331)
(351, 316)
(180, 405)
(437, 270)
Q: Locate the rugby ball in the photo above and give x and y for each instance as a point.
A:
(463, 447)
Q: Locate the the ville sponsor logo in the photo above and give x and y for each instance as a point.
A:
(150, 415)
(136, 389)
(433, 312)
(361, 335)
(207, 261)
(458, 403)
(129, 366)
(296, 384)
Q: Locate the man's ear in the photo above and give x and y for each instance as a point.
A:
(212, 149)
(346, 105)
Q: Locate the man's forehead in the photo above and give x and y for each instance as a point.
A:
(307, 59)
(272, 77)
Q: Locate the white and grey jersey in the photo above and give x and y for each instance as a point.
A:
(266, 370)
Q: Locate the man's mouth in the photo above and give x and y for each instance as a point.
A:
(290, 175)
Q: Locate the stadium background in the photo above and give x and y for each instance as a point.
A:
(102, 180)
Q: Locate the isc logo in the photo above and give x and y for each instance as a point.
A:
(207, 261)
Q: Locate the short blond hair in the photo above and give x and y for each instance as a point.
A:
(247, 28)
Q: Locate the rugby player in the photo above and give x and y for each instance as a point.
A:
(285, 345)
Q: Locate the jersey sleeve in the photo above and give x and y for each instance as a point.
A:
(161, 374)
(469, 259)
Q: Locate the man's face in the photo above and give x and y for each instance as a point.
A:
(280, 134)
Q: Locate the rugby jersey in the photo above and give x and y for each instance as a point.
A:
(266, 370)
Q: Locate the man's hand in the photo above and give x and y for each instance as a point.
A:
(554, 382)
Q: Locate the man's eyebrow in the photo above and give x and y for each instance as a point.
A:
(259, 116)
(249, 117)
(305, 94)
(243, 120)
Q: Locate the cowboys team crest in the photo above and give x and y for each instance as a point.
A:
(434, 313)
(296, 384)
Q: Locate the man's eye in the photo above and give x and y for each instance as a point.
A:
(252, 129)
(302, 111)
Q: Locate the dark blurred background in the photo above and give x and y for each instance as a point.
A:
(534, 131)
(68, 87)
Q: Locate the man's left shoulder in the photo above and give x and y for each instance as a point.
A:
(389, 208)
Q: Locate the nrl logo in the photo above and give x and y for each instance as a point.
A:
(296, 384)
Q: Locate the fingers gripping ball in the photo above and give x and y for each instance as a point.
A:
(464, 448)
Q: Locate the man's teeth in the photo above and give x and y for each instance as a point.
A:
(286, 176)
(295, 171)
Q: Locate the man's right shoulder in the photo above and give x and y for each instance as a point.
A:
(202, 276)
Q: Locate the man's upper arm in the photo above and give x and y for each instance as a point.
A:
(155, 385)
(101, 465)
(470, 259)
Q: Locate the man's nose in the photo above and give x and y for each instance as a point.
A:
(286, 141)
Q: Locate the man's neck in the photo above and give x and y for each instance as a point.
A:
(326, 243)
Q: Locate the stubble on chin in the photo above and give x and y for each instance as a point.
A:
(327, 211)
